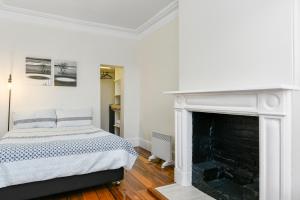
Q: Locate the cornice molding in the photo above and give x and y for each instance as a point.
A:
(170, 9)
(25, 15)
(159, 24)
(30, 16)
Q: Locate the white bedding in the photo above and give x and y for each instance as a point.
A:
(30, 155)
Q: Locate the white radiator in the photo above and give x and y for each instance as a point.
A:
(162, 148)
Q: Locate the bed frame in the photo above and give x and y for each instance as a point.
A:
(60, 185)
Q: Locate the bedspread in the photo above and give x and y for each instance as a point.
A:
(30, 155)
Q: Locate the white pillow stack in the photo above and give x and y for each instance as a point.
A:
(38, 119)
(52, 118)
(78, 117)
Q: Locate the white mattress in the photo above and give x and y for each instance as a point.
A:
(30, 155)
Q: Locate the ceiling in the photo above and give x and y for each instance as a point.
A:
(129, 14)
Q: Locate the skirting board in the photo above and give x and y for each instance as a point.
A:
(134, 141)
(140, 142)
(145, 144)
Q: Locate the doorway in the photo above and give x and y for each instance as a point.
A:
(112, 98)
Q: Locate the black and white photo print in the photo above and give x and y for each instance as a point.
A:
(65, 73)
(38, 71)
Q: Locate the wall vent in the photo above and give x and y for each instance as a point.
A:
(162, 148)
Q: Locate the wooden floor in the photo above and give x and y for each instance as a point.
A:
(143, 176)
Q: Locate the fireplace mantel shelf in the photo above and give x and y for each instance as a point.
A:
(273, 107)
(224, 90)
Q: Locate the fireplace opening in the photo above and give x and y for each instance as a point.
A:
(226, 156)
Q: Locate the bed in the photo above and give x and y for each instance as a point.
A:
(44, 161)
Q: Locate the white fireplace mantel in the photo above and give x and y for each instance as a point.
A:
(273, 107)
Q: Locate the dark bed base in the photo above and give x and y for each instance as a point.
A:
(60, 185)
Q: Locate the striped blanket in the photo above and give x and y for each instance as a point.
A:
(29, 155)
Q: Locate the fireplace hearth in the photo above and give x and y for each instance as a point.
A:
(226, 155)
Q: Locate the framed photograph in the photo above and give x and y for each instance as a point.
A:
(65, 73)
(38, 71)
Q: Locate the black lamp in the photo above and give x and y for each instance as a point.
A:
(9, 101)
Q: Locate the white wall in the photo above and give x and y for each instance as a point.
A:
(234, 44)
(158, 62)
(296, 110)
(88, 49)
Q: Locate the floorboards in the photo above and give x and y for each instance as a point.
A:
(144, 175)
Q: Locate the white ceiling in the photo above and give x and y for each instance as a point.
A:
(121, 13)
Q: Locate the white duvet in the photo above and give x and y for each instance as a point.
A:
(31, 155)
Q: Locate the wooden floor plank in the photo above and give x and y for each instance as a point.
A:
(104, 194)
(157, 194)
(75, 196)
(144, 175)
(145, 195)
(90, 194)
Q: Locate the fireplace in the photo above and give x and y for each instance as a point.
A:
(225, 155)
(206, 121)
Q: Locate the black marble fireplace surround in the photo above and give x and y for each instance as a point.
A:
(226, 155)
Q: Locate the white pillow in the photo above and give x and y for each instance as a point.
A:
(78, 117)
(37, 119)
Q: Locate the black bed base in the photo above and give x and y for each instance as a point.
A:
(60, 185)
